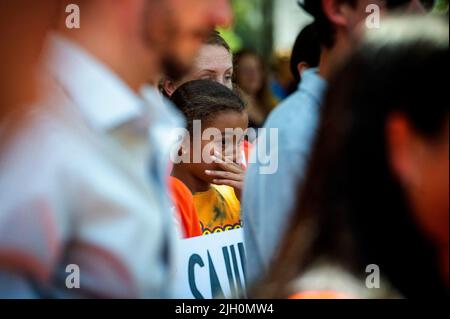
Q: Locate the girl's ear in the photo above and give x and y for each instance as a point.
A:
(184, 152)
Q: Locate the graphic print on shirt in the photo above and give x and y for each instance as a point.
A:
(219, 210)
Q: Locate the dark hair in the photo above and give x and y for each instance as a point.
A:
(216, 39)
(352, 209)
(306, 49)
(204, 99)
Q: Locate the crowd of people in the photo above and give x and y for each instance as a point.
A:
(142, 128)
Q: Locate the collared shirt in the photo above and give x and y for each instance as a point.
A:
(268, 199)
(84, 184)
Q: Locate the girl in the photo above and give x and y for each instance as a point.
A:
(252, 78)
(216, 180)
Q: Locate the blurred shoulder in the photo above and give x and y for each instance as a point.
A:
(46, 143)
(326, 280)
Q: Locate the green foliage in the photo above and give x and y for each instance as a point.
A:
(252, 26)
(441, 6)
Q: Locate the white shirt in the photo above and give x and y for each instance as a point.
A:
(84, 183)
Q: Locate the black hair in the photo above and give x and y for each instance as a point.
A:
(352, 208)
(205, 99)
(306, 49)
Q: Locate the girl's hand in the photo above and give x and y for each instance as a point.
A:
(232, 174)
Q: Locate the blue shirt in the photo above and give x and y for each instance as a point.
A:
(268, 199)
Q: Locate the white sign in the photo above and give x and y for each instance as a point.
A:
(212, 266)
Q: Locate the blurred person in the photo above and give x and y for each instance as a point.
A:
(213, 62)
(252, 78)
(281, 82)
(216, 181)
(376, 190)
(94, 154)
(268, 199)
(23, 25)
(305, 53)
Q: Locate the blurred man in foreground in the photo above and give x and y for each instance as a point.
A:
(83, 204)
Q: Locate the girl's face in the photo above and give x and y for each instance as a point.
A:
(230, 128)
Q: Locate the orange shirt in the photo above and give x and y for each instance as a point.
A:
(184, 203)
